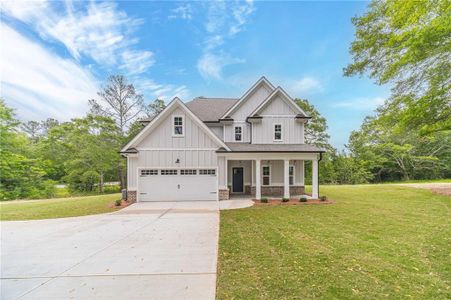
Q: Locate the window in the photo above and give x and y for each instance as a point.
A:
(277, 132)
(149, 172)
(178, 126)
(266, 175)
(238, 133)
(188, 172)
(207, 172)
(168, 172)
(291, 175)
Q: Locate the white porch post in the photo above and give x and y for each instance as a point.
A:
(225, 173)
(315, 189)
(286, 178)
(258, 193)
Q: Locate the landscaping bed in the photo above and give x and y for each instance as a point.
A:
(273, 202)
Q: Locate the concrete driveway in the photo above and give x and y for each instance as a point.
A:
(145, 251)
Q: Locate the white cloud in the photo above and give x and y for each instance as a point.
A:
(136, 62)
(210, 65)
(363, 103)
(161, 91)
(224, 21)
(39, 83)
(99, 31)
(304, 85)
(241, 13)
(184, 12)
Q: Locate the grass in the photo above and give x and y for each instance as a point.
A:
(375, 242)
(56, 208)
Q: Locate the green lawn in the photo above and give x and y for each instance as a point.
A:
(56, 208)
(375, 242)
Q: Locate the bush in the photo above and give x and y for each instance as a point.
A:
(323, 198)
(303, 199)
(111, 189)
(285, 199)
(118, 202)
(264, 200)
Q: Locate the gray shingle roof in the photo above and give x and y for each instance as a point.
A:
(244, 147)
(210, 109)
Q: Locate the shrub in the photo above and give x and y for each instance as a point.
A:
(118, 202)
(303, 199)
(323, 198)
(264, 200)
(111, 189)
(285, 199)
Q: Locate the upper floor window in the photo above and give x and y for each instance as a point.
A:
(178, 126)
(238, 133)
(291, 175)
(277, 132)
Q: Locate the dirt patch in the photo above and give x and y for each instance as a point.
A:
(439, 188)
(273, 202)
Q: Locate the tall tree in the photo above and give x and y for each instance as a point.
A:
(407, 44)
(155, 107)
(33, 129)
(316, 128)
(118, 100)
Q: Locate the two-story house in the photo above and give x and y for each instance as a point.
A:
(212, 148)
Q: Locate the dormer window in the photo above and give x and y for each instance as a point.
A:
(277, 132)
(238, 133)
(178, 126)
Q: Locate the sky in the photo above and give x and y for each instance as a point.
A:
(56, 55)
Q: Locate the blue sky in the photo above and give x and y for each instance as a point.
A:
(56, 55)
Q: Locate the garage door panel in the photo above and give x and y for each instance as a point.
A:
(177, 187)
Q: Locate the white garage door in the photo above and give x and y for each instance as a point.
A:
(177, 184)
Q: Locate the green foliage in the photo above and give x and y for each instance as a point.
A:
(303, 199)
(323, 198)
(284, 199)
(118, 202)
(155, 107)
(264, 200)
(407, 44)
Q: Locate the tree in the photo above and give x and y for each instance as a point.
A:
(32, 129)
(118, 100)
(407, 44)
(154, 108)
(316, 128)
(21, 176)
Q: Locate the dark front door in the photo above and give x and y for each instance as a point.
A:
(238, 177)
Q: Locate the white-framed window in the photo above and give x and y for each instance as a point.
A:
(238, 131)
(148, 172)
(291, 174)
(188, 172)
(179, 126)
(207, 172)
(266, 175)
(278, 132)
(168, 172)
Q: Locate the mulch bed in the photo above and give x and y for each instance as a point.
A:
(123, 204)
(272, 202)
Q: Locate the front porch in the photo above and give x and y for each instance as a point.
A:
(271, 175)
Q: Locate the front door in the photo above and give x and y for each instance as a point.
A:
(238, 184)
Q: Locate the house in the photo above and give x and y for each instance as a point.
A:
(213, 148)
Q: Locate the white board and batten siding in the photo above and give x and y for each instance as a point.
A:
(160, 150)
(278, 112)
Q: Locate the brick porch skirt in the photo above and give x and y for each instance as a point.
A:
(278, 190)
(131, 196)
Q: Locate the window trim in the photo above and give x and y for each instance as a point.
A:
(152, 172)
(172, 171)
(294, 174)
(173, 126)
(234, 133)
(274, 132)
(207, 171)
(269, 176)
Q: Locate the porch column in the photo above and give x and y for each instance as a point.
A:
(226, 173)
(286, 178)
(258, 193)
(315, 190)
